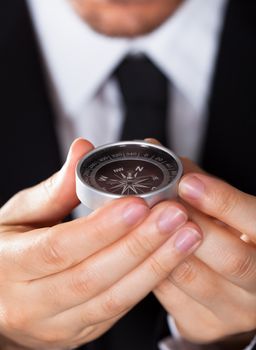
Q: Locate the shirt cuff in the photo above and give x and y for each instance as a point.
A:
(252, 344)
(176, 342)
(173, 328)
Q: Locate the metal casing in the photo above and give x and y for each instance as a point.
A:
(94, 198)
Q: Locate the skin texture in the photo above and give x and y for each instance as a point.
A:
(220, 278)
(65, 284)
(211, 286)
(125, 18)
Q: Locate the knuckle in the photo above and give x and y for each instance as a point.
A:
(239, 266)
(100, 231)
(112, 305)
(85, 282)
(87, 333)
(53, 251)
(90, 333)
(89, 317)
(165, 288)
(138, 247)
(54, 295)
(158, 268)
(184, 273)
(92, 315)
(225, 201)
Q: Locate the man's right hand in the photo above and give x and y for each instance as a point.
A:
(65, 284)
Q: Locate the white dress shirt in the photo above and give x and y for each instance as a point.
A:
(79, 62)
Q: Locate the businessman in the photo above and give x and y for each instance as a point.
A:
(179, 71)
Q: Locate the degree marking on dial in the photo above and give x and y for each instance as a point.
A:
(130, 170)
(103, 178)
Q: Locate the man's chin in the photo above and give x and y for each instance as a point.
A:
(121, 30)
(125, 18)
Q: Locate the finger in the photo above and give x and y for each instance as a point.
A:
(226, 253)
(74, 336)
(51, 200)
(222, 201)
(189, 166)
(105, 268)
(203, 291)
(189, 315)
(211, 290)
(194, 213)
(138, 283)
(44, 252)
(153, 141)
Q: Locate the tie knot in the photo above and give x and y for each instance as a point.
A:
(141, 81)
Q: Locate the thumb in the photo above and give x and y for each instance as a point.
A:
(189, 166)
(50, 201)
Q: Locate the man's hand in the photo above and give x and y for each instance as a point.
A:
(212, 295)
(64, 284)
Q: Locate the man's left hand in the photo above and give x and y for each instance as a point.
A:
(212, 295)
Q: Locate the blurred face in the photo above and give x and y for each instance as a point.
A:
(127, 18)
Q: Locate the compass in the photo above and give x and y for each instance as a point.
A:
(128, 168)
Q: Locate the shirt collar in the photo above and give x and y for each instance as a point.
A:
(185, 47)
(79, 60)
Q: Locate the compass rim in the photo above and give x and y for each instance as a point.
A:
(85, 190)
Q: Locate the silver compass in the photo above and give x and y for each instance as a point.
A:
(128, 168)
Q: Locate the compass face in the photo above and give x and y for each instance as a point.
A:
(129, 169)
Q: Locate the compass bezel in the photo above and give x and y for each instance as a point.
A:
(94, 198)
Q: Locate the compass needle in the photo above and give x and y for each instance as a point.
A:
(141, 186)
(125, 188)
(118, 177)
(134, 189)
(142, 180)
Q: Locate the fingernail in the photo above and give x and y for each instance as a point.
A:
(134, 212)
(187, 239)
(171, 219)
(70, 152)
(191, 187)
(151, 140)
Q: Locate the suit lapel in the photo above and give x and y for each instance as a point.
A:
(27, 128)
(230, 144)
(28, 134)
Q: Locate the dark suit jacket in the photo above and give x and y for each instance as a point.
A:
(30, 151)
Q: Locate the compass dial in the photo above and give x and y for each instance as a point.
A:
(129, 177)
(134, 168)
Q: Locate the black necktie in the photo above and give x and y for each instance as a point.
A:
(145, 94)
